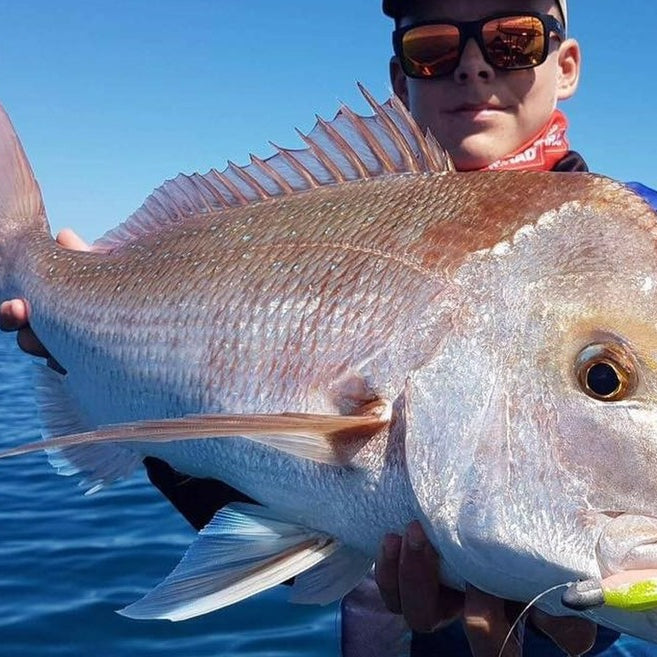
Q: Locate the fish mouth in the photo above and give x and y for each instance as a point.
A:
(626, 552)
(627, 542)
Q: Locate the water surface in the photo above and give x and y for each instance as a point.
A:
(67, 562)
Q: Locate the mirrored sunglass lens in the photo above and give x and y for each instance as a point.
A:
(514, 41)
(431, 50)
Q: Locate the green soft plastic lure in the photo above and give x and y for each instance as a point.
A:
(632, 590)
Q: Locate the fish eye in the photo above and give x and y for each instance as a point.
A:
(606, 372)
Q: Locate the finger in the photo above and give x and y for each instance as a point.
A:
(71, 240)
(575, 636)
(13, 315)
(425, 604)
(386, 572)
(486, 625)
(29, 342)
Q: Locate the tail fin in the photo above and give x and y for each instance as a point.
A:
(21, 205)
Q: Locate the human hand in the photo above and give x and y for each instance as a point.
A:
(407, 573)
(487, 620)
(14, 313)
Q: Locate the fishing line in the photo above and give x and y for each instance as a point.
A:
(524, 612)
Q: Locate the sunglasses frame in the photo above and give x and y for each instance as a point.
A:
(473, 30)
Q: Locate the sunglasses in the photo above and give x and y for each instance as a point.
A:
(509, 42)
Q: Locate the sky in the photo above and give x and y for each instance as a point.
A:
(112, 97)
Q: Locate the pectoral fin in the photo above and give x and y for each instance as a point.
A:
(244, 550)
(331, 439)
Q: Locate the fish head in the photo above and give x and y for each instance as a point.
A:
(532, 431)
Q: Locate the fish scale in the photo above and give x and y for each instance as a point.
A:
(247, 330)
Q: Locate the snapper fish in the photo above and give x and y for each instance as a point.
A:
(355, 335)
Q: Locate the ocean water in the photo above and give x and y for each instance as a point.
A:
(67, 562)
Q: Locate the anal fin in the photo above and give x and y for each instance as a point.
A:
(244, 550)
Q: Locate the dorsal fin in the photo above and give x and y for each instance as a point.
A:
(350, 147)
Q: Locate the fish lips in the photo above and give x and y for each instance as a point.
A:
(627, 542)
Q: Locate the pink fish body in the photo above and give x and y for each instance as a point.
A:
(355, 336)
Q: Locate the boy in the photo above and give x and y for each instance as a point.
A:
(490, 100)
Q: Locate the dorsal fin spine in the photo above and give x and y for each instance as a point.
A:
(182, 189)
(415, 131)
(166, 209)
(159, 211)
(230, 186)
(378, 150)
(350, 147)
(304, 172)
(440, 157)
(197, 182)
(403, 145)
(215, 193)
(269, 170)
(249, 180)
(323, 157)
(347, 150)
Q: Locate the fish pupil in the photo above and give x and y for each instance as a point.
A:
(603, 380)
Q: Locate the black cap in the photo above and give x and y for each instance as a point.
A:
(395, 8)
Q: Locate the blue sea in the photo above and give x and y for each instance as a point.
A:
(67, 562)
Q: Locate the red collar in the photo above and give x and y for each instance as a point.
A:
(541, 152)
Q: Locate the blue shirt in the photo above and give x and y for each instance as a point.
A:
(648, 194)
